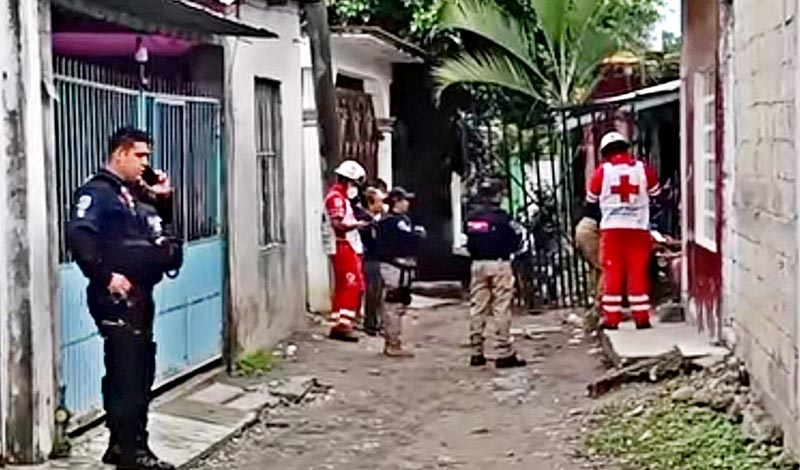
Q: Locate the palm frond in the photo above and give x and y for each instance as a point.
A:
(581, 13)
(594, 47)
(486, 67)
(552, 16)
(484, 18)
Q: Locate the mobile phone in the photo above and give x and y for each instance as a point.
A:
(149, 176)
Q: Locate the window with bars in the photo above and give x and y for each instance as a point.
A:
(270, 162)
(705, 160)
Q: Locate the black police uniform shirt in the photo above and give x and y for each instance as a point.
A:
(105, 218)
(397, 238)
(491, 234)
(369, 238)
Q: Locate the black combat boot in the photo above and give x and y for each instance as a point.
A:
(143, 460)
(339, 335)
(510, 361)
(112, 454)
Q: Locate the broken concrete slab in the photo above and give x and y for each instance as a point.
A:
(183, 440)
(255, 400)
(294, 389)
(217, 394)
(207, 412)
(628, 345)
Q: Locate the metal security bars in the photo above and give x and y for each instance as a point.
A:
(545, 163)
(270, 164)
(537, 165)
(94, 101)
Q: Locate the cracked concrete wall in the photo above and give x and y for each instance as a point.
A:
(762, 245)
(26, 341)
(267, 284)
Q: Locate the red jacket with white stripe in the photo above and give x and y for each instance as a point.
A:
(623, 186)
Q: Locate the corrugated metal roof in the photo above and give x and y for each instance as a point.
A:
(648, 92)
(180, 17)
(404, 51)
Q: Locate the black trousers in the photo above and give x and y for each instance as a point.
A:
(130, 363)
(373, 305)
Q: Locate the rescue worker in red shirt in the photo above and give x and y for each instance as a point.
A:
(347, 264)
(622, 187)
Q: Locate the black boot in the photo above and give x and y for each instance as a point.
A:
(510, 361)
(112, 454)
(143, 460)
(478, 360)
(339, 335)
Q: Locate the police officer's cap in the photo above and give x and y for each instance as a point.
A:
(399, 194)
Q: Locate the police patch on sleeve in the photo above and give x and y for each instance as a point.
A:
(84, 203)
(404, 226)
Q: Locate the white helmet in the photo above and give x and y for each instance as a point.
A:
(351, 170)
(612, 138)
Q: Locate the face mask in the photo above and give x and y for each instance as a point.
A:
(386, 208)
(352, 192)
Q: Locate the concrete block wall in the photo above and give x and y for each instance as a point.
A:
(761, 212)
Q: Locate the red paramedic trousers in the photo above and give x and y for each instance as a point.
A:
(625, 255)
(348, 286)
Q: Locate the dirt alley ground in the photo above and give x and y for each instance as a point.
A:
(430, 412)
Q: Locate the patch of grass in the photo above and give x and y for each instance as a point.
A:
(663, 435)
(255, 363)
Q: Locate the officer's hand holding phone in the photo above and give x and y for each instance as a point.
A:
(158, 181)
(119, 286)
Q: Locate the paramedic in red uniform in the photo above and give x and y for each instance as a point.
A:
(347, 264)
(622, 187)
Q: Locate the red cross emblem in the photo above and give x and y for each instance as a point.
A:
(625, 188)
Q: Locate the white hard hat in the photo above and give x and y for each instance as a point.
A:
(351, 170)
(612, 138)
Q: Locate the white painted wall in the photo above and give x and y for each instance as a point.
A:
(267, 285)
(318, 295)
(731, 281)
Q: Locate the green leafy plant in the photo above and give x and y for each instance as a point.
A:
(664, 435)
(255, 363)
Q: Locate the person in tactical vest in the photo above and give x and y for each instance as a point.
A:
(117, 238)
(398, 247)
(491, 241)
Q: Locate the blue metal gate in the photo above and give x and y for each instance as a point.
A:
(93, 102)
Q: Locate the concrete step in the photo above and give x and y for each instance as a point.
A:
(628, 344)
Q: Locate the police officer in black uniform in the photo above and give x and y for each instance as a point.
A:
(492, 239)
(398, 247)
(117, 239)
